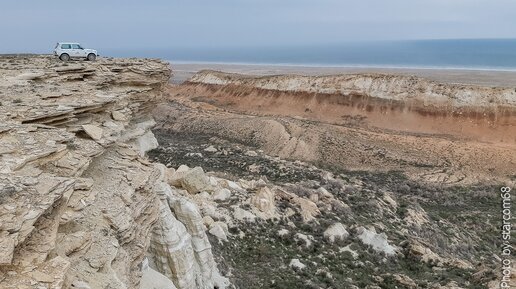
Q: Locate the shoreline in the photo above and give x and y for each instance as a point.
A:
(342, 66)
(483, 77)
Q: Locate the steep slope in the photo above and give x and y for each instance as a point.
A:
(383, 86)
(433, 132)
(353, 181)
(404, 103)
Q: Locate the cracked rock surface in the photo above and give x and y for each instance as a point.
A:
(79, 203)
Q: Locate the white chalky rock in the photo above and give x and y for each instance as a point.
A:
(296, 264)
(307, 239)
(377, 241)
(243, 215)
(335, 232)
(221, 195)
(210, 149)
(283, 232)
(263, 200)
(194, 180)
(219, 230)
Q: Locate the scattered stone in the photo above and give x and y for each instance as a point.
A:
(416, 217)
(243, 215)
(219, 230)
(210, 149)
(283, 232)
(296, 264)
(222, 195)
(377, 241)
(263, 200)
(353, 253)
(80, 285)
(93, 131)
(207, 220)
(323, 193)
(232, 186)
(387, 197)
(195, 181)
(335, 232)
(254, 168)
(405, 280)
(422, 253)
(306, 239)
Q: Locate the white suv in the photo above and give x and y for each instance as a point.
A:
(67, 50)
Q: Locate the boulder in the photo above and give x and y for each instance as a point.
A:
(306, 239)
(207, 221)
(335, 232)
(283, 232)
(210, 149)
(296, 264)
(377, 241)
(243, 215)
(263, 201)
(221, 194)
(193, 180)
(348, 249)
(219, 230)
(232, 186)
(323, 193)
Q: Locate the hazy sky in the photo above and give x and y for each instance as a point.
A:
(36, 25)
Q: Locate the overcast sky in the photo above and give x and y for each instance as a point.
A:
(36, 25)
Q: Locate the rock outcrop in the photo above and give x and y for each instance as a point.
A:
(80, 206)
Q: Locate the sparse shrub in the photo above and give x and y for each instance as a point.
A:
(402, 209)
(71, 145)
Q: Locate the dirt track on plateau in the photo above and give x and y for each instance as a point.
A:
(348, 133)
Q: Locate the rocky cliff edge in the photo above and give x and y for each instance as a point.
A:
(80, 205)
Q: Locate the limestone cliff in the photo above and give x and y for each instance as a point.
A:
(382, 86)
(80, 206)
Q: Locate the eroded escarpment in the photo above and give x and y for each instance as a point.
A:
(80, 205)
(355, 122)
(405, 103)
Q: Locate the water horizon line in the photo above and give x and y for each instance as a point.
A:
(358, 66)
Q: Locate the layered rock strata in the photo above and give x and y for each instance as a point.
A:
(80, 206)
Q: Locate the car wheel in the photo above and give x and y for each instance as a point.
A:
(91, 57)
(64, 57)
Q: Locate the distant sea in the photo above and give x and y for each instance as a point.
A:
(482, 54)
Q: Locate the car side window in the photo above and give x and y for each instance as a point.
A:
(76, 46)
(66, 46)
